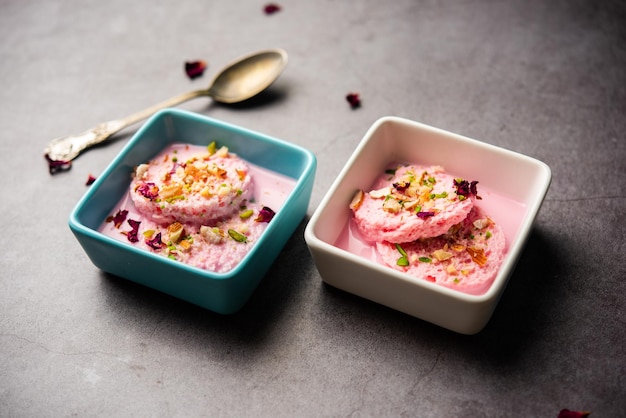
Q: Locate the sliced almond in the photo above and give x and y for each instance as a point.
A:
(442, 255)
(357, 199)
(481, 223)
(222, 152)
(392, 206)
(175, 231)
(184, 245)
(212, 235)
(171, 191)
(141, 171)
(477, 255)
(410, 204)
(380, 193)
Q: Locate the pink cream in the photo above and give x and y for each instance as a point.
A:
(269, 189)
(504, 211)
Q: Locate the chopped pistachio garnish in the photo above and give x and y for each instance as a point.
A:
(246, 214)
(237, 236)
(212, 147)
(403, 260)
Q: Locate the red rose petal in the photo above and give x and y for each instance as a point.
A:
(354, 100)
(425, 215)
(54, 166)
(90, 180)
(566, 413)
(271, 8)
(156, 242)
(465, 188)
(195, 69)
(119, 218)
(265, 215)
(148, 190)
(132, 235)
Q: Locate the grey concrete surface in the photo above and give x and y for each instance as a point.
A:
(543, 78)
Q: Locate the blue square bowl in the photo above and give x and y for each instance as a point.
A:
(224, 293)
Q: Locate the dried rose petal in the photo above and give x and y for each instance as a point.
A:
(148, 190)
(462, 187)
(566, 413)
(265, 215)
(465, 188)
(195, 69)
(132, 234)
(119, 218)
(473, 188)
(90, 180)
(155, 243)
(55, 166)
(401, 186)
(354, 100)
(424, 215)
(271, 8)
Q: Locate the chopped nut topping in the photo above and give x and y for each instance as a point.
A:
(481, 223)
(457, 247)
(224, 190)
(442, 255)
(428, 205)
(217, 171)
(175, 231)
(212, 235)
(392, 205)
(222, 152)
(410, 204)
(357, 199)
(141, 171)
(184, 245)
(241, 173)
(477, 254)
(206, 192)
(171, 191)
(379, 194)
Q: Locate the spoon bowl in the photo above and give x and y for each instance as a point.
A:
(242, 79)
(248, 76)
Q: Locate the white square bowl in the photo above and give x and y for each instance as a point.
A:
(518, 179)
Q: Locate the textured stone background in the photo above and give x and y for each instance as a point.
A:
(544, 78)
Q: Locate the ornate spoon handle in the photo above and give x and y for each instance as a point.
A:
(69, 147)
